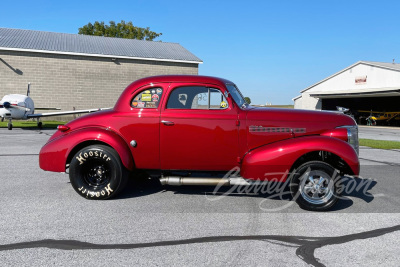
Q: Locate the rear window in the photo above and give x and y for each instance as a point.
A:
(149, 98)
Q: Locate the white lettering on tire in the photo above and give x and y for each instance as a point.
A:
(108, 189)
(103, 192)
(82, 158)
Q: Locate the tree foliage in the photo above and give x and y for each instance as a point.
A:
(119, 30)
(248, 100)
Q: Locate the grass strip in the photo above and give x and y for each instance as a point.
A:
(380, 144)
(33, 124)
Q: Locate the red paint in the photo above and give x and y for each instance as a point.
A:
(63, 128)
(340, 133)
(53, 156)
(274, 160)
(259, 140)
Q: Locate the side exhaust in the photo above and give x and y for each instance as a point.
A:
(176, 180)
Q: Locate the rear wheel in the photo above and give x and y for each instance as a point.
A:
(315, 186)
(96, 172)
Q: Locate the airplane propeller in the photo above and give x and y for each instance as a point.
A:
(8, 105)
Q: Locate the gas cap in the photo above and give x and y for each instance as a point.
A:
(133, 143)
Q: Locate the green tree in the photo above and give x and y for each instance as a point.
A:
(119, 30)
(248, 100)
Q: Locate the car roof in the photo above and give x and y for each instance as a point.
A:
(182, 78)
(121, 104)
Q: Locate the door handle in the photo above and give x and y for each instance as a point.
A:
(168, 123)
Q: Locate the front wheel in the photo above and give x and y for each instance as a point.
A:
(315, 186)
(96, 172)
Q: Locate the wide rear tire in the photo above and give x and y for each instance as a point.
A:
(96, 172)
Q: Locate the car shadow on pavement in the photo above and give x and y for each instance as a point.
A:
(355, 187)
(352, 187)
(140, 185)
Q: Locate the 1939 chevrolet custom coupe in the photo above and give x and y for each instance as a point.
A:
(181, 129)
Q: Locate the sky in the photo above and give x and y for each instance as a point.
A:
(270, 49)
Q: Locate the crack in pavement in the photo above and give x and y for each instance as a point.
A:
(18, 155)
(305, 251)
(383, 162)
(371, 148)
(41, 132)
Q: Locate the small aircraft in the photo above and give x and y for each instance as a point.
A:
(371, 117)
(22, 107)
(382, 116)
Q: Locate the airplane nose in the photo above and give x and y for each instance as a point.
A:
(6, 104)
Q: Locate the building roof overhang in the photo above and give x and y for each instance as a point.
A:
(370, 92)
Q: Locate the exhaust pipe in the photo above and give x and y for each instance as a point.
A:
(176, 180)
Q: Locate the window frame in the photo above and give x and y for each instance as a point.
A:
(148, 89)
(209, 88)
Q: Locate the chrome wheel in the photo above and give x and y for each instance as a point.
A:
(316, 187)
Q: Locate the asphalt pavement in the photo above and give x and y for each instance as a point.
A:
(379, 133)
(43, 222)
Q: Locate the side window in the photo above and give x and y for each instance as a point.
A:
(149, 98)
(197, 97)
(217, 99)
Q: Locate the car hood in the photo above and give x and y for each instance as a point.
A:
(268, 125)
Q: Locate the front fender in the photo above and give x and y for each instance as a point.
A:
(53, 155)
(275, 160)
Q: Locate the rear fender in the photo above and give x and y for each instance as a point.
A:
(55, 155)
(274, 161)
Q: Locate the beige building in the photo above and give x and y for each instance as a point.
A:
(362, 86)
(77, 71)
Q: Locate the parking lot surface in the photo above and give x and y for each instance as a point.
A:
(380, 133)
(44, 222)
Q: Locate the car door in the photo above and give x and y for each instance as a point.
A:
(142, 125)
(198, 129)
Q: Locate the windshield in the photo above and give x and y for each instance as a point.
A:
(236, 95)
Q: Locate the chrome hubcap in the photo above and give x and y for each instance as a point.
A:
(316, 187)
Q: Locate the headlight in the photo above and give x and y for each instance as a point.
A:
(352, 136)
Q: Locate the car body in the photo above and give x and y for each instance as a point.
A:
(189, 123)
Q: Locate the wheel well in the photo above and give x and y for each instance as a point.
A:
(324, 156)
(82, 145)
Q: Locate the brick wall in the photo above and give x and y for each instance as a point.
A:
(66, 81)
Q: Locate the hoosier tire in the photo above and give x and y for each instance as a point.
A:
(96, 172)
